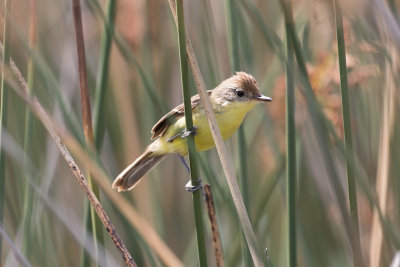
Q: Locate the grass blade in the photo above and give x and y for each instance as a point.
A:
(347, 126)
(290, 150)
(101, 82)
(102, 74)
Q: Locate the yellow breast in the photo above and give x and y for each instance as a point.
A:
(229, 117)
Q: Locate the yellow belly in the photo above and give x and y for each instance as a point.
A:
(228, 118)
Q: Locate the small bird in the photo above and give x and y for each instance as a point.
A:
(231, 100)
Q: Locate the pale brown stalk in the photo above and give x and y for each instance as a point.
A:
(48, 124)
(383, 172)
(390, 36)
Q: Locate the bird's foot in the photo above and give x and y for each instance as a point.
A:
(191, 131)
(183, 134)
(193, 188)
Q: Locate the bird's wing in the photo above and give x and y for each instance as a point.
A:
(178, 112)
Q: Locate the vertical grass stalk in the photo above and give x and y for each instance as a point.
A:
(27, 212)
(102, 73)
(233, 37)
(235, 66)
(290, 152)
(101, 83)
(190, 139)
(347, 125)
(3, 113)
(86, 114)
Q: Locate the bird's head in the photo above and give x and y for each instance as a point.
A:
(241, 87)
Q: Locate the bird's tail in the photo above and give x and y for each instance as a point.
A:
(131, 176)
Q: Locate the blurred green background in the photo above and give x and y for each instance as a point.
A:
(45, 210)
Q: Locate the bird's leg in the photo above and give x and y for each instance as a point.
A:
(184, 163)
(183, 134)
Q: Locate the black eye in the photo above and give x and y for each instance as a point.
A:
(239, 92)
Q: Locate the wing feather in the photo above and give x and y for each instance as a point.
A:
(162, 125)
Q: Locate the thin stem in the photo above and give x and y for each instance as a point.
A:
(3, 113)
(86, 113)
(190, 140)
(102, 74)
(233, 36)
(347, 125)
(235, 66)
(290, 152)
(26, 246)
(101, 82)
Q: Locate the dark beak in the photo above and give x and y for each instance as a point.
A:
(263, 98)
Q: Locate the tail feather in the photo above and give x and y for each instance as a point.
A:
(132, 174)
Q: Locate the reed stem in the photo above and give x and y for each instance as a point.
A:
(194, 177)
(102, 74)
(290, 151)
